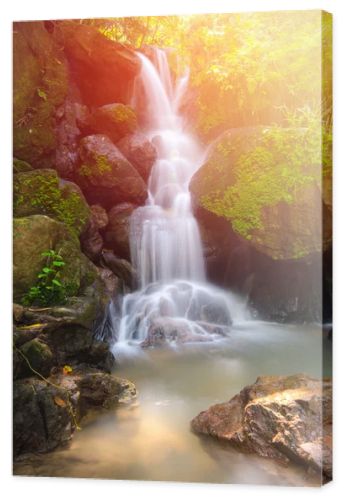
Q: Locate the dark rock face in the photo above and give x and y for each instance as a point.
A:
(40, 86)
(45, 414)
(277, 290)
(38, 355)
(106, 176)
(103, 70)
(277, 417)
(42, 417)
(117, 231)
(140, 152)
(120, 267)
(114, 120)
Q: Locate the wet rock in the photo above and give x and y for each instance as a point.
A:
(140, 152)
(99, 216)
(120, 267)
(105, 390)
(164, 330)
(92, 242)
(114, 120)
(277, 417)
(42, 416)
(117, 230)
(45, 414)
(105, 175)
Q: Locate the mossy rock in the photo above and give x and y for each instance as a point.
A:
(42, 192)
(40, 82)
(114, 120)
(20, 166)
(36, 234)
(106, 176)
(38, 355)
(266, 182)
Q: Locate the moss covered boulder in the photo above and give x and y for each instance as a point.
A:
(42, 192)
(36, 234)
(40, 83)
(38, 355)
(114, 120)
(106, 176)
(266, 182)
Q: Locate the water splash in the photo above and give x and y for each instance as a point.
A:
(173, 302)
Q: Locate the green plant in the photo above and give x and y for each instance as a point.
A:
(48, 290)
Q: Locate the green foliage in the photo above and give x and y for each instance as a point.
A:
(48, 290)
(258, 170)
(39, 191)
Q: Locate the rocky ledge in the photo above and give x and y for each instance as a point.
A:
(48, 411)
(286, 418)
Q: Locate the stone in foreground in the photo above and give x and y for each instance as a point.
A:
(286, 418)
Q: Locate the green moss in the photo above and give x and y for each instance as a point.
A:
(39, 192)
(40, 85)
(101, 166)
(253, 175)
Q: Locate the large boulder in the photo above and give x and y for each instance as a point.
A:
(42, 192)
(106, 176)
(140, 152)
(91, 240)
(265, 182)
(40, 83)
(42, 416)
(46, 413)
(34, 355)
(117, 230)
(115, 120)
(103, 69)
(36, 234)
(288, 418)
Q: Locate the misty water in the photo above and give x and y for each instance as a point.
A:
(151, 438)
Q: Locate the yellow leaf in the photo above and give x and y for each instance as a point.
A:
(59, 402)
(67, 370)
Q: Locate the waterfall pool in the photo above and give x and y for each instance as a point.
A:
(151, 438)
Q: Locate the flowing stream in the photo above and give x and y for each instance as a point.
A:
(173, 300)
(151, 439)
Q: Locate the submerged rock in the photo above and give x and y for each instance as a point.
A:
(105, 175)
(285, 418)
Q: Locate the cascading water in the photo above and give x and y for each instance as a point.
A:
(173, 302)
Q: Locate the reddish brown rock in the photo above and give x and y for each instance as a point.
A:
(105, 175)
(117, 231)
(285, 418)
(140, 152)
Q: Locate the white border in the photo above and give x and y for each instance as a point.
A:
(39, 488)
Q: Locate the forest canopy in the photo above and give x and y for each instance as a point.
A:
(245, 69)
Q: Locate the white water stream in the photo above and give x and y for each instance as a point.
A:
(174, 301)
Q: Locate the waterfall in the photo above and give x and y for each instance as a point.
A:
(173, 300)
